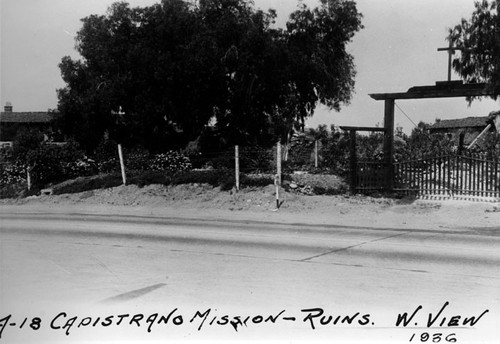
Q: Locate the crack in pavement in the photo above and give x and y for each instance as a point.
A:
(334, 263)
(348, 247)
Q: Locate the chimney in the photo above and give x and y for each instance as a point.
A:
(8, 107)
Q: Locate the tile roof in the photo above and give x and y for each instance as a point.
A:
(25, 117)
(469, 122)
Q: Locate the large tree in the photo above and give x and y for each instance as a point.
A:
(478, 38)
(156, 76)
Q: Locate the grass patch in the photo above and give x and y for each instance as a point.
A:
(256, 180)
(18, 191)
(82, 184)
(142, 179)
(224, 179)
(331, 191)
(104, 181)
(12, 191)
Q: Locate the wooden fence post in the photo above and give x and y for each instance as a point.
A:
(276, 184)
(237, 167)
(316, 153)
(122, 164)
(28, 178)
(278, 162)
(353, 160)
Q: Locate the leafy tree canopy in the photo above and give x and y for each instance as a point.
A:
(479, 40)
(157, 76)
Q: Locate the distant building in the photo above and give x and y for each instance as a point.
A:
(462, 131)
(12, 122)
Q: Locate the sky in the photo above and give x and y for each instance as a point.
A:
(397, 49)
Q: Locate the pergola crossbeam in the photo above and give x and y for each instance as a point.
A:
(348, 128)
(440, 90)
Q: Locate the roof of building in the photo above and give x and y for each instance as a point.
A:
(469, 122)
(25, 117)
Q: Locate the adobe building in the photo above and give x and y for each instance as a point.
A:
(464, 131)
(12, 122)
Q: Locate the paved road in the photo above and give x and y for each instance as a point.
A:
(113, 278)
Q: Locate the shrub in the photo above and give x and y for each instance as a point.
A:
(106, 157)
(25, 142)
(45, 165)
(52, 163)
(256, 159)
(171, 161)
(80, 168)
(13, 173)
(252, 159)
(108, 166)
(46, 162)
(213, 160)
(137, 161)
(107, 160)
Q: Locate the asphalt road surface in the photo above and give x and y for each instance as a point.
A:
(80, 278)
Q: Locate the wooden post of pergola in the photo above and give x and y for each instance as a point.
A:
(389, 143)
(442, 89)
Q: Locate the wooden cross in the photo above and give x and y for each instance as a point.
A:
(451, 51)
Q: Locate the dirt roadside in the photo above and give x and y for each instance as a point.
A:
(200, 201)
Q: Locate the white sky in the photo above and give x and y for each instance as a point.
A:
(397, 49)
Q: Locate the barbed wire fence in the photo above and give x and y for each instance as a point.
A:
(269, 161)
(236, 166)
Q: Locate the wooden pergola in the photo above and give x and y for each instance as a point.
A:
(442, 89)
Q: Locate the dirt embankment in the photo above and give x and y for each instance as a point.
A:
(259, 204)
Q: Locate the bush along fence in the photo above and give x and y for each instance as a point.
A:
(52, 164)
(302, 171)
(170, 162)
(45, 164)
(48, 165)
